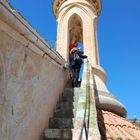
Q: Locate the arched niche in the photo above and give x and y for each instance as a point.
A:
(84, 33)
(75, 29)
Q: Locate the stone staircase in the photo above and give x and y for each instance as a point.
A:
(61, 125)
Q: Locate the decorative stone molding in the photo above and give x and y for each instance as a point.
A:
(105, 100)
(111, 104)
(107, 94)
(98, 70)
(108, 102)
(58, 3)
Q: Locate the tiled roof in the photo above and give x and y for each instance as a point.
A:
(114, 127)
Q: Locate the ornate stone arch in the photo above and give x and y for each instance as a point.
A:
(63, 25)
(82, 8)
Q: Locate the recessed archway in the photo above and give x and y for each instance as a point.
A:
(76, 23)
(75, 28)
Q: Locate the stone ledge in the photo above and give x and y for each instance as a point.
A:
(20, 25)
(110, 104)
(98, 70)
(58, 133)
(107, 94)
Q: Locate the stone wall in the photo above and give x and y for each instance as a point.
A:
(31, 81)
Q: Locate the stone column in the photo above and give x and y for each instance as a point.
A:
(89, 40)
(62, 38)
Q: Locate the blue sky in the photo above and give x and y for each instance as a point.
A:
(118, 39)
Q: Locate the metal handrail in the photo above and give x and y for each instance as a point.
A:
(85, 125)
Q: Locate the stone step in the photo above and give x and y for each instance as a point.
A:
(65, 105)
(69, 84)
(61, 123)
(61, 113)
(64, 95)
(58, 134)
(65, 108)
(69, 91)
(66, 99)
(73, 91)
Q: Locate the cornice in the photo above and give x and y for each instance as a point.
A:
(58, 3)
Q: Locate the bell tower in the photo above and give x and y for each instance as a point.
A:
(77, 21)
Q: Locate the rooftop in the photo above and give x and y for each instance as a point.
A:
(114, 127)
